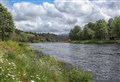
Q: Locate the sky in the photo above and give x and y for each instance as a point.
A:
(59, 16)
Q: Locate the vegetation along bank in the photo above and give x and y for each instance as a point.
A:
(20, 63)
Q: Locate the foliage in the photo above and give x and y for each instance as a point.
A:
(37, 37)
(20, 63)
(74, 33)
(88, 33)
(100, 30)
(79, 76)
(116, 27)
(97, 41)
(110, 28)
(6, 23)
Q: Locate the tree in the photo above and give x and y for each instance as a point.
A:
(110, 28)
(6, 23)
(80, 35)
(88, 33)
(101, 30)
(116, 27)
(91, 26)
(74, 33)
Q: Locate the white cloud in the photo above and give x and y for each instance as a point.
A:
(60, 16)
(27, 11)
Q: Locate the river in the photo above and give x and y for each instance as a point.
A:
(103, 60)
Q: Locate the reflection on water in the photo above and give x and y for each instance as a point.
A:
(102, 60)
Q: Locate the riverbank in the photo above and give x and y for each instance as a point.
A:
(20, 63)
(96, 41)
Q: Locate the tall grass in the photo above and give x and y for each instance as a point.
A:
(20, 63)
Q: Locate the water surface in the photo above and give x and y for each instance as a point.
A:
(103, 60)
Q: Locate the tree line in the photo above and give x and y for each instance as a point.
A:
(37, 37)
(100, 30)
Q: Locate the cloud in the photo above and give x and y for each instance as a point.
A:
(60, 16)
(27, 11)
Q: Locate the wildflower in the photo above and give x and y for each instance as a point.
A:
(37, 75)
(13, 63)
(14, 67)
(8, 74)
(19, 81)
(38, 78)
(9, 63)
(31, 76)
(1, 60)
(32, 81)
(2, 70)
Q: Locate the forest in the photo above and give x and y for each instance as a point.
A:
(38, 37)
(100, 30)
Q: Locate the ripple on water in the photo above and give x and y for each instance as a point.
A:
(103, 60)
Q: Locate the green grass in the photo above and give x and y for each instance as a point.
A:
(97, 41)
(20, 63)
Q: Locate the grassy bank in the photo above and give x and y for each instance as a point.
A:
(97, 41)
(20, 63)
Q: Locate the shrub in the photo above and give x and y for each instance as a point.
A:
(79, 76)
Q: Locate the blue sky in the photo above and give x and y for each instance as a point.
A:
(32, 1)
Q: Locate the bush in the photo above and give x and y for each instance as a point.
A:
(9, 55)
(80, 76)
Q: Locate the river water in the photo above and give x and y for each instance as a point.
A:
(103, 60)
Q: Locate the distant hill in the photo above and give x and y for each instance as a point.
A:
(39, 37)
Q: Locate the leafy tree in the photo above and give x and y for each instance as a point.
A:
(91, 26)
(6, 23)
(101, 30)
(80, 35)
(110, 29)
(110, 22)
(88, 33)
(74, 33)
(116, 27)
